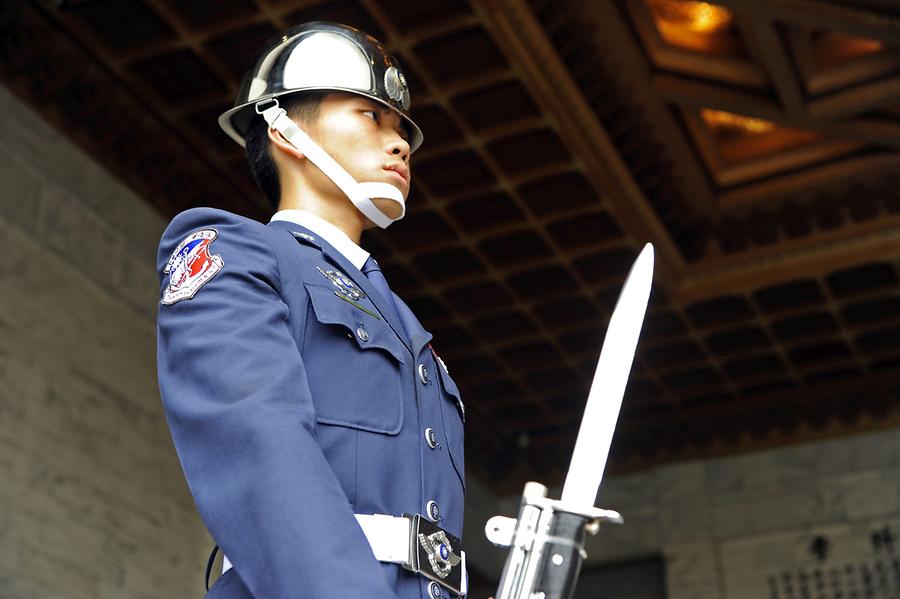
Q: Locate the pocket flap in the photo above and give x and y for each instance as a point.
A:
(452, 390)
(359, 318)
(454, 415)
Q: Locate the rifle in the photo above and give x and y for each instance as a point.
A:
(546, 539)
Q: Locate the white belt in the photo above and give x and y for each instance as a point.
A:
(387, 535)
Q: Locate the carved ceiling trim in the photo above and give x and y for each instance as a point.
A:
(525, 44)
(864, 243)
(529, 49)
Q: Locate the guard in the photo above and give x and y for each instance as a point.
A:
(320, 434)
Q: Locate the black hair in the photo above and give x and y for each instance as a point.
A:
(303, 107)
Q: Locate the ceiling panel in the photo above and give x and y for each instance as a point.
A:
(756, 144)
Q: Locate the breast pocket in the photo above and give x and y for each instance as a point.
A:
(453, 412)
(353, 361)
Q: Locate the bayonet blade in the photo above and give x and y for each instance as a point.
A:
(605, 398)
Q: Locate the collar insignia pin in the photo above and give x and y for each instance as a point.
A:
(345, 286)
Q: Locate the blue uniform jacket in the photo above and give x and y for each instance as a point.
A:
(292, 407)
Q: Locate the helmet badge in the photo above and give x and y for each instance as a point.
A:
(396, 88)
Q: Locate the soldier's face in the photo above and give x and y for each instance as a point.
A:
(367, 139)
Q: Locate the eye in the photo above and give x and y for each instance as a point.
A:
(373, 114)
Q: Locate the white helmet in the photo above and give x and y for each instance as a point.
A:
(321, 56)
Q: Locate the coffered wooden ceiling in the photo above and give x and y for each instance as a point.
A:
(755, 143)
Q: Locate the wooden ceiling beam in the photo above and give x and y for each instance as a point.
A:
(810, 178)
(874, 66)
(727, 174)
(527, 47)
(733, 69)
(628, 61)
(766, 45)
(782, 161)
(701, 94)
(827, 16)
(881, 132)
(857, 100)
(789, 260)
(698, 94)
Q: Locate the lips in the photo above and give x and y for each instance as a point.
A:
(400, 169)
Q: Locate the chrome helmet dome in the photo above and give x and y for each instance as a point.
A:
(321, 56)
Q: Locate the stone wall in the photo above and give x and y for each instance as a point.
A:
(812, 520)
(772, 519)
(92, 501)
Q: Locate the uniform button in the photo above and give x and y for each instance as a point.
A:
(434, 590)
(362, 334)
(423, 374)
(430, 437)
(433, 510)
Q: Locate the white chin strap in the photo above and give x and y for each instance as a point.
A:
(360, 194)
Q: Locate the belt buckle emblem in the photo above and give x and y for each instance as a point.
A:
(440, 552)
(436, 554)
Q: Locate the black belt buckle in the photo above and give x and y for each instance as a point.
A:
(435, 554)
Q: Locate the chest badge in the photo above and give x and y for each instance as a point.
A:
(345, 287)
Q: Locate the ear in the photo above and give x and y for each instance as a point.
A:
(278, 141)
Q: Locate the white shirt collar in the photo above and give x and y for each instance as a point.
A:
(324, 229)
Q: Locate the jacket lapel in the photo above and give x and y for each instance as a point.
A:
(418, 336)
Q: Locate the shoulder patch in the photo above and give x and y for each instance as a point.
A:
(191, 266)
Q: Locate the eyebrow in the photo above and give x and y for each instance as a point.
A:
(363, 101)
(405, 129)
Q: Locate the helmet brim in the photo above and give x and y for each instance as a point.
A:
(236, 121)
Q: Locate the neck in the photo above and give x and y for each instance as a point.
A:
(338, 211)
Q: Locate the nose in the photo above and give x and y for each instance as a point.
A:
(399, 147)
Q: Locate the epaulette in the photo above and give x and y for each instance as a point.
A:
(307, 239)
